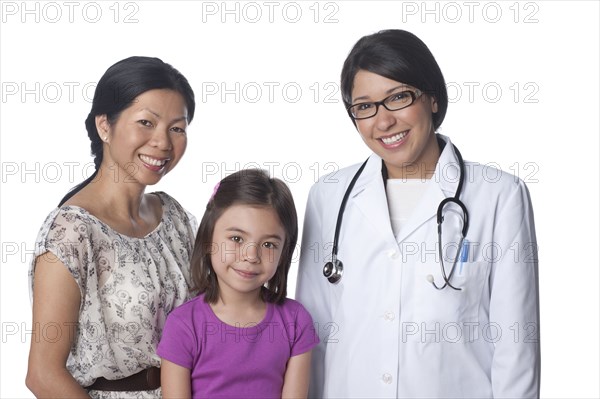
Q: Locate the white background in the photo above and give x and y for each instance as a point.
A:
(543, 126)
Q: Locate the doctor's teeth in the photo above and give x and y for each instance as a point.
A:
(395, 138)
(152, 161)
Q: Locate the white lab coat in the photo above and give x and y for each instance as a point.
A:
(385, 330)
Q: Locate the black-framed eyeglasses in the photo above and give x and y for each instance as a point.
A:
(393, 102)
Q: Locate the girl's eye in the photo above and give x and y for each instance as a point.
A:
(145, 122)
(237, 239)
(270, 245)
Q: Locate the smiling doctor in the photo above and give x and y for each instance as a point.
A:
(419, 269)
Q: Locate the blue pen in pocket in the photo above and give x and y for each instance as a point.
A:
(464, 254)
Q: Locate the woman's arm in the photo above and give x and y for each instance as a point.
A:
(297, 376)
(514, 300)
(56, 300)
(175, 380)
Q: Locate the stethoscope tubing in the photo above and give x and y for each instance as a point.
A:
(333, 270)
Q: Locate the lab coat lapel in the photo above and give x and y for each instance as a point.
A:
(370, 199)
(442, 184)
(426, 210)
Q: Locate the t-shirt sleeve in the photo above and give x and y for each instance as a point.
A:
(305, 336)
(178, 343)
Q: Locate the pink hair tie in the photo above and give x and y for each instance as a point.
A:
(215, 190)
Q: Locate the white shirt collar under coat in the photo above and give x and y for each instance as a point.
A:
(370, 197)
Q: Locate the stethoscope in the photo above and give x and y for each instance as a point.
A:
(334, 270)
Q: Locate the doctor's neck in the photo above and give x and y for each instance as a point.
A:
(421, 167)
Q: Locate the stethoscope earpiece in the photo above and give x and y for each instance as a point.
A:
(333, 271)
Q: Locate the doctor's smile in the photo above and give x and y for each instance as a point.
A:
(394, 140)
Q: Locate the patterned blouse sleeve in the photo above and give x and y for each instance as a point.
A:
(66, 235)
(181, 217)
(193, 222)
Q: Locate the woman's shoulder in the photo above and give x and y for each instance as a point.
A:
(172, 209)
(169, 203)
(335, 183)
(492, 177)
(340, 174)
(69, 223)
(70, 233)
(500, 190)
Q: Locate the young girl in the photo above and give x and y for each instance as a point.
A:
(241, 337)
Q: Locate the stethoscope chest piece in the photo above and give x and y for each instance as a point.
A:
(333, 271)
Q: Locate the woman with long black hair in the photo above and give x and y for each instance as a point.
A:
(111, 261)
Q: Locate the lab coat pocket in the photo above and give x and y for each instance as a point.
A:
(431, 309)
(471, 278)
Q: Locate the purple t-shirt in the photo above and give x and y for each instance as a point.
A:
(236, 361)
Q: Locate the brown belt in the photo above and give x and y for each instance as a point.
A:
(145, 380)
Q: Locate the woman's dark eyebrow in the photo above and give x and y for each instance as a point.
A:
(390, 91)
(181, 118)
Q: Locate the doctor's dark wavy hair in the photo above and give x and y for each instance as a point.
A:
(401, 56)
(251, 187)
(119, 87)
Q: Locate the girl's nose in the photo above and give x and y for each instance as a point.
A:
(251, 252)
